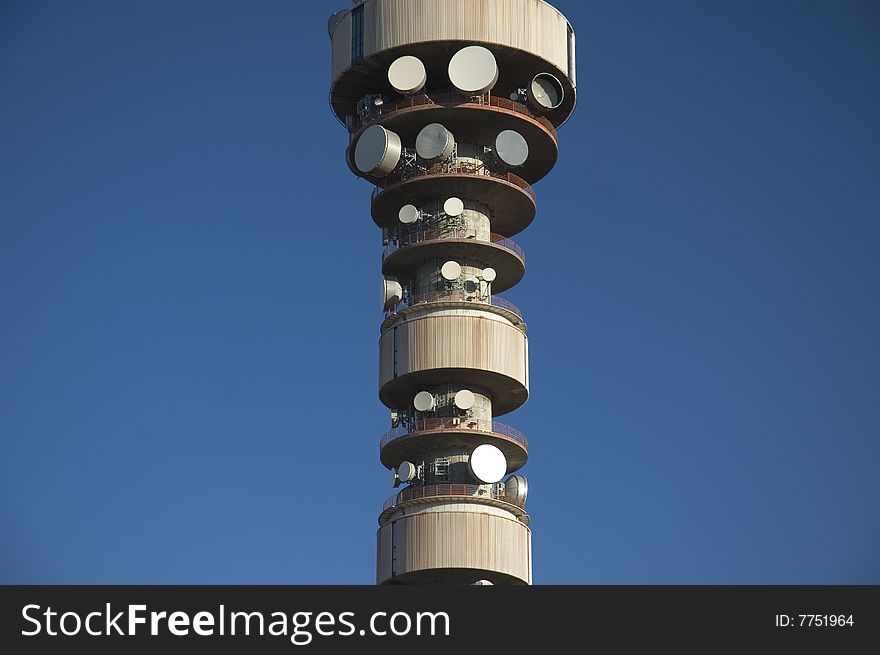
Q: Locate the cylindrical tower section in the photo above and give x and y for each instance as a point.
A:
(452, 109)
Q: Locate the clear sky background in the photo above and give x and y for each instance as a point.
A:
(189, 312)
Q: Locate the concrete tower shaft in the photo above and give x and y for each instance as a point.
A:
(452, 108)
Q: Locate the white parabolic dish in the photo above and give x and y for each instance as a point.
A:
(377, 151)
(517, 488)
(546, 91)
(488, 463)
(434, 142)
(392, 292)
(408, 214)
(453, 206)
(465, 399)
(489, 274)
(451, 270)
(407, 74)
(511, 147)
(406, 471)
(423, 402)
(473, 69)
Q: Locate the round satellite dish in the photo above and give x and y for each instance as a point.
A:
(392, 292)
(511, 148)
(424, 401)
(489, 274)
(407, 75)
(406, 471)
(453, 206)
(408, 214)
(471, 286)
(545, 92)
(377, 151)
(434, 143)
(487, 463)
(465, 399)
(483, 583)
(516, 487)
(451, 270)
(473, 70)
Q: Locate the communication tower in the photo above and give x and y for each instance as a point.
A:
(452, 108)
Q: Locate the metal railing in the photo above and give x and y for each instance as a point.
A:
(495, 492)
(438, 234)
(449, 98)
(497, 301)
(453, 295)
(508, 243)
(454, 424)
(456, 167)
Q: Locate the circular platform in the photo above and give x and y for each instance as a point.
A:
(508, 265)
(509, 200)
(399, 445)
(471, 123)
(516, 69)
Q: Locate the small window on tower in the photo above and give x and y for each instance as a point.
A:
(441, 469)
(394, 548)
(357, 34)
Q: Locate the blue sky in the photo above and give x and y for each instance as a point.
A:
(188, 277)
